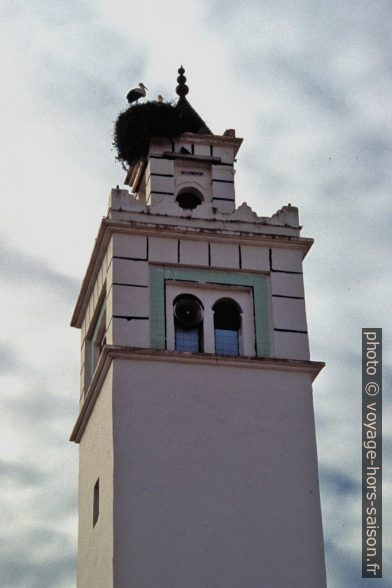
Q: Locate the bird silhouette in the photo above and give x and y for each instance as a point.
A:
(136, 93)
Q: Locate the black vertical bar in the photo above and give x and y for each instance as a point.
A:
(371, 453)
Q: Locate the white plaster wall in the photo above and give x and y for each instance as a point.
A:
(159, 166)
(255, 258)
(158, 146)
(215, 478)
(291, 345)
(96, 298)
(126, 271)
(82, 383)
(95, 544)
(223, 190)
(288, 313)
(178, 143)
(96, 293)
(223, 172)
(131, 246)
(164, 250)
(224, 206)
(194, 252)
(288, 305)
(287, 284)
(204, 150)
(225, 255)
(188, 173)
(129, 332)
(226, 153)
(222, 186)
(159, 184)
(286, 259)
(128, 301)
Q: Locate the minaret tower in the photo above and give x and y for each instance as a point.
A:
(198, 463)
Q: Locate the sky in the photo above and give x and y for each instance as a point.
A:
(308, 86)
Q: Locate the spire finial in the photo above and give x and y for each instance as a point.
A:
(182, 89)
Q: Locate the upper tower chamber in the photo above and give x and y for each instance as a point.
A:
(198, 462)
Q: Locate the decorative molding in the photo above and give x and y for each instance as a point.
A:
(123, 200)
(245, 214)
(112, 352)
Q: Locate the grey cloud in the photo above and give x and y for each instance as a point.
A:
(340, 483)
(19, 474)
(22, 268)
(81, 71)
(92, 95)
(48, 12)
(21, 565)
(83, 75)
(42, 405)
(54, 500)
(312, 83)
(342, 570)
(8, 359)
(62, 503)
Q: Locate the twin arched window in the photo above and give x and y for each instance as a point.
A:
(189, 325)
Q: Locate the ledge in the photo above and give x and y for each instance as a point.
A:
(111, 352)
(191, 157)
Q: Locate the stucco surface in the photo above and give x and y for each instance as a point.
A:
(215, 478)
(95, 543)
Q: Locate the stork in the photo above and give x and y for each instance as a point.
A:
(160, 99)
(136, 93)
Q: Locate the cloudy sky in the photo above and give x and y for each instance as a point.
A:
(308, 84)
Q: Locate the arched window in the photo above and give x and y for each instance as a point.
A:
(227, 326)
(189, 198)
(188, 323)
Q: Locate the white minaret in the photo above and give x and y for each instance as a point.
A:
(198, 463)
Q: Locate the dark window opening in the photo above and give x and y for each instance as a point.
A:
(95, 343)
(189, 200)
(96, 503)
(188, 323)
(227, 325)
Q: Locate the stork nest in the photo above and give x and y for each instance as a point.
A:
(136, 126)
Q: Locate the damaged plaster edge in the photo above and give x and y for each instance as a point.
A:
(121, 200)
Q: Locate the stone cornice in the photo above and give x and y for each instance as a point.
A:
(111, 352)
(110, 226)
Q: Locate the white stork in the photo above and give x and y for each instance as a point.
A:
(136, 93)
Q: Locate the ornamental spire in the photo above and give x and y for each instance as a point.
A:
(182, 89)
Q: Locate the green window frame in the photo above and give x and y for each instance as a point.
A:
(258, 283)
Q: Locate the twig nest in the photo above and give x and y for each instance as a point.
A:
(136, 126)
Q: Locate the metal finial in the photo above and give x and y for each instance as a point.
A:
(182, 89)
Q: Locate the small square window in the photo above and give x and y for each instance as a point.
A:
(96, 503)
